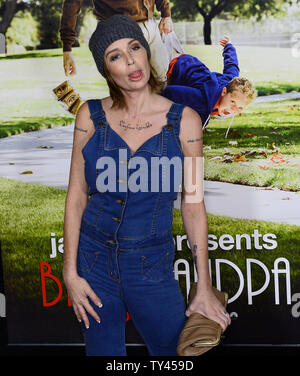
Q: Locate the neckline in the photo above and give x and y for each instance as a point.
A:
(150, 138)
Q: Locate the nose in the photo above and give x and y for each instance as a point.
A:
(234, 109)
(130, 59)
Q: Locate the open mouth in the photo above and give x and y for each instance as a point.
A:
(136, 75)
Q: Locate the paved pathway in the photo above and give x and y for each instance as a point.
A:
(277, 97)
(241, 201)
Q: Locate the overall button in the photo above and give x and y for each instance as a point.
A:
(111, 241)
(121, 181)
(121, 202)
(169, 126)
(116, 219)
(101, 124)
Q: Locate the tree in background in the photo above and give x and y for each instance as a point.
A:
(23, 31)
(47, 13)
(8, 9)
(209, 9)
(85, 7)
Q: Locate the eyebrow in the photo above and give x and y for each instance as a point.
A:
(117, 49)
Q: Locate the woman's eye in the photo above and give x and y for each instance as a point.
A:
(136, 47)
(114, 57)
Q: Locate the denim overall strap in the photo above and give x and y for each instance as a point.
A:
(174, 118)
(97, 114)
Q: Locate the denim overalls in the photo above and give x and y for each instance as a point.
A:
(126, 248)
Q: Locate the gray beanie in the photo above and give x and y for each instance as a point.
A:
(110, 30)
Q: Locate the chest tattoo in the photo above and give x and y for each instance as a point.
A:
(137, 127)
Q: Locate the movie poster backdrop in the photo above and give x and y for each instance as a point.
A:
(253, 238)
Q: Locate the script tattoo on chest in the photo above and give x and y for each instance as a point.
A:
(137, 127)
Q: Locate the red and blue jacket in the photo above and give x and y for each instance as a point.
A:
(191, 83)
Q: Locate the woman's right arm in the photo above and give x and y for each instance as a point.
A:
(77, 194)
(76, 201)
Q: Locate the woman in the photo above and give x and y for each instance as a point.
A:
(118, 244)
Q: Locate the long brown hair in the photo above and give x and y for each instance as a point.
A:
(155, 83)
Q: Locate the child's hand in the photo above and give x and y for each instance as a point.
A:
(224, 41)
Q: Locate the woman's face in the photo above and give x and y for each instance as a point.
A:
(127, 62)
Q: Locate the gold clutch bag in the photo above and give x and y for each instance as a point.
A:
(68, 97)
(200, 334)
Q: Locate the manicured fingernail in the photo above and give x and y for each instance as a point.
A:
(100, 305)
(87, 326)
(98, 321)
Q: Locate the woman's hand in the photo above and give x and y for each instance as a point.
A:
(79, 291)
(206, 303)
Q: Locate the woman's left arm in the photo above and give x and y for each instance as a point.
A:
(194, 217)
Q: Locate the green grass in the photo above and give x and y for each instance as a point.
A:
(273, 70)
(38, 211)
(287, 238)
(26, 225)
(269, 131)
(12, 127)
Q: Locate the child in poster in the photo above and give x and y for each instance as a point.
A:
(190, 82)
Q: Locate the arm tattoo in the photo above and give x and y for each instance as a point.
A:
(194, 251)
(195, 139)
(80, 129)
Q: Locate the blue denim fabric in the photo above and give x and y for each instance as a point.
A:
(126, 247)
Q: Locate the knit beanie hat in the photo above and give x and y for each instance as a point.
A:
(110, 30)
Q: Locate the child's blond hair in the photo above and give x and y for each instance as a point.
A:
(243, 86)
